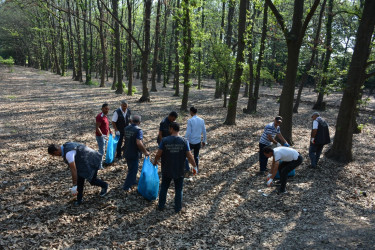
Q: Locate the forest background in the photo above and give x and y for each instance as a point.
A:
(240, 46)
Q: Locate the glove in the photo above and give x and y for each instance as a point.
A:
(195, 170)
(269, 182)
(117, 132)
(278, 144)
(286, 144)
(313, 140)
(105, 137)
(269, 176)
(73, 190)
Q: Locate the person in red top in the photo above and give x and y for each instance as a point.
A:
(102, 129)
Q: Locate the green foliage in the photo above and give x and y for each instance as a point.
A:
(8, 62)
(134, 90)
(92, 83)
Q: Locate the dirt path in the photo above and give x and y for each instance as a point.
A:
(225, 208)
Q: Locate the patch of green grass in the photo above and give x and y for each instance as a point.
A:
(93, 83)
(11, 97)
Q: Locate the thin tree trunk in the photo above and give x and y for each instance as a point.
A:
(232, 106)
(186, 44)
(130, 58)
(85, 47)
(145, 93)
(176, 81)
(311, 62)
(79, 50)
(320, 105)
(200, 50)
(156, 48)
(118, 65)
(102, 45)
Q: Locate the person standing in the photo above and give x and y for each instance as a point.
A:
(285, 159)
(120, 120)
(102, 129)
(268, 137)
(164, 125)
(133, 148)
(194, 131)
(173, 150)
(319, 137)
(84, 163)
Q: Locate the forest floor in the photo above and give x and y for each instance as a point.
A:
(227, 204)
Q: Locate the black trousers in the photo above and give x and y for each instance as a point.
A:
(94, 181)
(285, 167)
(196, 148)
(119, 145)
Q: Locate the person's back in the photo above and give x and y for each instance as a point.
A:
(173, 156)
(131, 149)
(285, 154)
(322, 136)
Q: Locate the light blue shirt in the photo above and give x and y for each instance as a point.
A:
(195, 128)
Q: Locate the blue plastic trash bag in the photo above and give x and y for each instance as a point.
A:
(148, 184)
(111, 149)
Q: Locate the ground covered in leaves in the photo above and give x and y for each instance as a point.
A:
(227, 205)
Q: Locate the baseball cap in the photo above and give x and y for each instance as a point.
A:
(315, 113)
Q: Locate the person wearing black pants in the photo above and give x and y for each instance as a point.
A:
(120, 120)
(94, 182)
(285, 159)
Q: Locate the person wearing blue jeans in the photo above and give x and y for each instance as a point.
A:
(319, 137)
(102, 129)
(133, 147)
(271, 131)
(173, 150)
(314, 153)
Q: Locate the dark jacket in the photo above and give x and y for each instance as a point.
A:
(173, 156)
(122, 122)
(322, 134)
(87, 160)
(131, 149)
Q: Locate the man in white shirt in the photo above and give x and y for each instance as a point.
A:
(194, 131)
(285, 159)
(120, 120)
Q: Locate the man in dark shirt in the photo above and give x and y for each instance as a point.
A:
(173, 150)
(133, 147)
(84, 163)
(120, 120)
(164, 125)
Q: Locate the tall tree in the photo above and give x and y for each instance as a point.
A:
(312, 59)
(320, 105)
(146, 51)
(118, 67)
(176, 79)
(200, 49)
(294, 38)
(78, 40)
(130, 58)
(232, 106)
(102, 44)
(341, 149)
(156, 47)
(186, 47)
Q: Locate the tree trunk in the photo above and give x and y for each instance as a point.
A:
(312, 58)
(166, 56)
(253, 106)
(232, 4)
(102, 45)
(156, 48)
(71, 42)
(186, 45)
(176, 80)
(320, 105)
(118, 64)
(222, 21)
(85, 47)
(62, 47)
(145, 93)
(200, 50)
(294, 39)
(341, 149)
(79, 50)
(232, 106)
(130, 58)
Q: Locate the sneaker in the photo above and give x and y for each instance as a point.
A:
(77, 203)
(181, 211)
(104, 191)
(282, 192)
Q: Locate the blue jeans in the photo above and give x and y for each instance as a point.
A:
(131, 178)
(314, 153)
(101, 145)
(263, 160)
(178, 185)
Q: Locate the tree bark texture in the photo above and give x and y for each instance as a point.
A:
(341, 149)
(156, 48)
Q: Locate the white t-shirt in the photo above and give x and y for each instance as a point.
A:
(70, 156)
(285, 154)
(316, 122)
